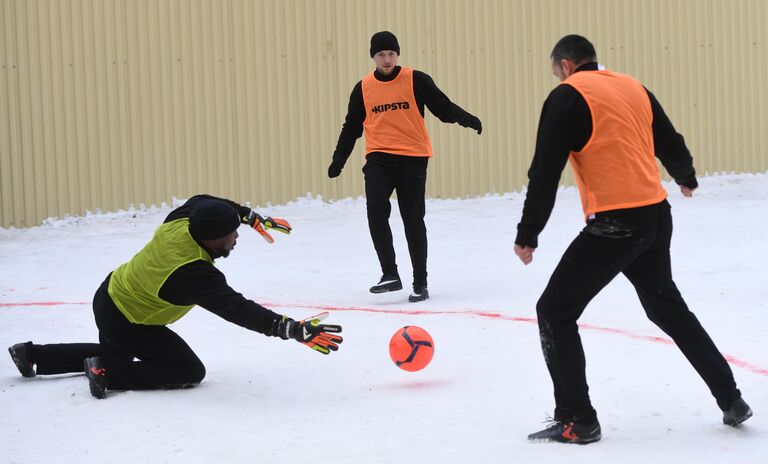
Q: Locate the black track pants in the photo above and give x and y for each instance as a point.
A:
(600, 252)
(164, 360)
(406, 175)
(63, 358)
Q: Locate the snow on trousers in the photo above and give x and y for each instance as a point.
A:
(640, 250)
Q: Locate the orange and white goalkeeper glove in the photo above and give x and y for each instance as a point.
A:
(261, 224)
(310, 332)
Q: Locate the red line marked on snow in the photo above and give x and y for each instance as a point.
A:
(420, 312)
(531, 320)
(745, 365)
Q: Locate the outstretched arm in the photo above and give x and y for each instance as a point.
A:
(247, 216)
(186, 209)
(202, 284)
(427, 93)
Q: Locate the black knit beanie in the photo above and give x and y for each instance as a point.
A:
(384, 40)
(212, 219)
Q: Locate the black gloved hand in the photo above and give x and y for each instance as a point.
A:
(311, 332)
(473, 122)
(335, 169)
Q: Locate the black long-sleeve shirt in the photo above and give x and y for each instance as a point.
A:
(565, 125)
(200, 283)
(424, 89)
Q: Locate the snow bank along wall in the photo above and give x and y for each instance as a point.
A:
(105, 104)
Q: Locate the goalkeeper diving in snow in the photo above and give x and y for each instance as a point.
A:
(173, 273)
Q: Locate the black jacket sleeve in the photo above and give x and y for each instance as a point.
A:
(427, 93)
(185, 209)
(200, 283)
(670, 147)
(353, 126)
(562, 129)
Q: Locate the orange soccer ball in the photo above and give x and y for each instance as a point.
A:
(411, 348)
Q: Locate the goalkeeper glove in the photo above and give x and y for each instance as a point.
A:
(310, 332)
(262, 224)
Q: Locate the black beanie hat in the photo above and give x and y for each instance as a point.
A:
(212, 219)
(384, 40)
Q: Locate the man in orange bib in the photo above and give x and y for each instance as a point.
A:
(612, 130)
(388, 104)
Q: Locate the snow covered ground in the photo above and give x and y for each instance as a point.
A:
(265, 400)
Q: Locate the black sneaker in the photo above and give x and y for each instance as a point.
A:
(569, 432)
(419, 294)
(388, 283)
(737, 413)
(97, 377)
(21, 353)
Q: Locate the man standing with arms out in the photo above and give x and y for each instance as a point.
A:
(610, 127)
(160, 284)
(389, 105)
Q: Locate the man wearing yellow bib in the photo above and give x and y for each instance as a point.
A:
(174, 272)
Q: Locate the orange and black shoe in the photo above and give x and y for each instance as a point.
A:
(569, 432)
(21, 353)
(97, 377)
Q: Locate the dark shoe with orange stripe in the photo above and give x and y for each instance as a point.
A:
(569, 432)
(97, 377)
(737, 413)
(21, 353)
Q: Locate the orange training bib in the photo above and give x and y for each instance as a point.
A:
(617, 167)
(393, 123)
